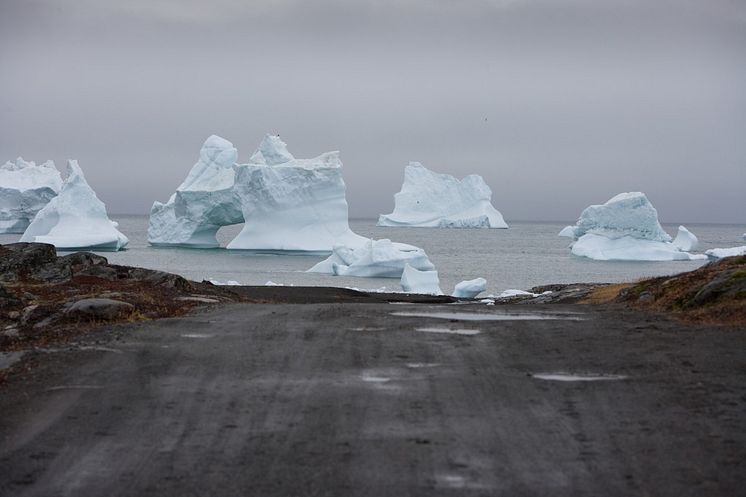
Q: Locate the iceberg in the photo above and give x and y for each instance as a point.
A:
(470, 288)
(719, 253)
(25, 189)
(292, 205)
(626, 228)
(75, 219)
(203, 202)
(432, 200)
(416, 281)
(374, 259)
(685, 240)
(287, 204)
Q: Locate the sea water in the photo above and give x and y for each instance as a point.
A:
(525, 255)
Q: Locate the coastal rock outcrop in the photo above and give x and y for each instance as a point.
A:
(25, 189)
(431, 200)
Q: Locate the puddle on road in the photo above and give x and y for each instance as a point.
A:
(75, 387)
(449, 331)
(370, 378)
(578, 377)
(418, 365)
(478, 316)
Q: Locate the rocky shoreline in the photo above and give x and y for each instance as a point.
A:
(47, 299)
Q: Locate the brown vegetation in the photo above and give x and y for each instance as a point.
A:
(712, 294)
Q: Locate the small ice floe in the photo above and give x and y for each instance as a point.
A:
(578, 377)
(195, 335)
(272, 283)
(719, 253)
(414, 280)
(469, 289)
(224, 283)
(375, 290)
(363, 328)
(487, 301)
(449, 331)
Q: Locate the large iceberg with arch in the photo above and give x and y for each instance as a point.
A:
(626, 228)
(75, 219)
(286, 204)
(25, 189)
(432, 200)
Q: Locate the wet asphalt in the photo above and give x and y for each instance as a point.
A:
(369, 400)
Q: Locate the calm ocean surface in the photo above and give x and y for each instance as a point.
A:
(526, 255)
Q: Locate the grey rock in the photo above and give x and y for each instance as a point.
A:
(100, 271)
(160, 278)
(645, 297)
(8, 300)
(18, 260)
(27, 313)
(99, 308)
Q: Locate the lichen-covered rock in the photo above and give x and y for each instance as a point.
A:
(99, 308)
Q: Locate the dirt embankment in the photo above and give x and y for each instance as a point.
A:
(712, 294)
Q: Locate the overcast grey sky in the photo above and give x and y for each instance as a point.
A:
(556, 103)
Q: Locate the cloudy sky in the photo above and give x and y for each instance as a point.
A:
(556, 103)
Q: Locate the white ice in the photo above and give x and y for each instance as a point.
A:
(294, 205)
(719, 253)
(685, 240)
(287, 204)
(470, 288)
(25, 189)
(416, 281)
(628, 248)
(75, 219)
(431, 200)
(626, 228)
(374, 259)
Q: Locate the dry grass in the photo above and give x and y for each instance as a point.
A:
(605, 294)
(714, 294)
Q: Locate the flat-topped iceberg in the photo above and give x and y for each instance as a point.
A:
(416, 281)
(626, 228)
(287, 204)
(470, 288)
(25, 189)
(373, 259)
(75, 219)
(432, 200)
(290, 204)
